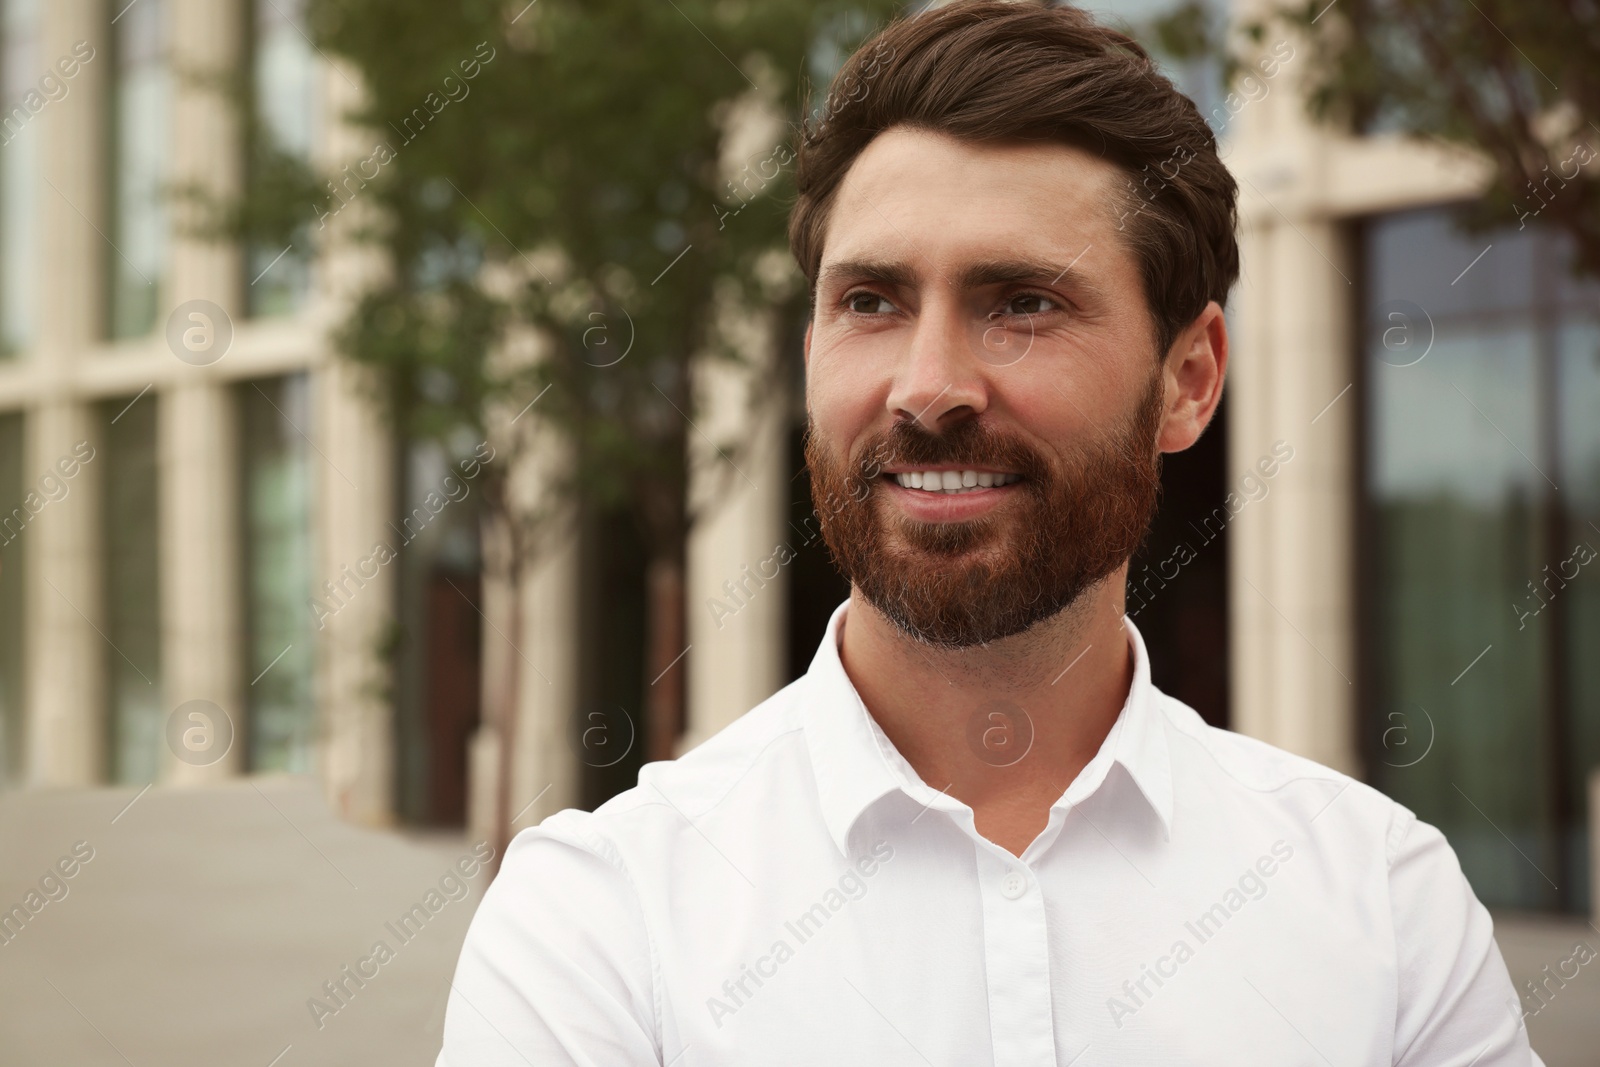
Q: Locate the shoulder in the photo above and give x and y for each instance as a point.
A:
(579, 866)
(1272, 779)
(762, 752)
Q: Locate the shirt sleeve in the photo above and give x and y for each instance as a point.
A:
(557, 966)
(1457, 1006)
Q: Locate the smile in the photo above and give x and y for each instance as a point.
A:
(953, 482)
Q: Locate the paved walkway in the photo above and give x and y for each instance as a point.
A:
(204, 923)
(1566, 1031)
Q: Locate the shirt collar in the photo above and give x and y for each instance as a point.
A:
(855, 763)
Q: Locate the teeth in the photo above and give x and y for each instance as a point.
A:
(947, 481)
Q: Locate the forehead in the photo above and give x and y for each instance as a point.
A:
(936, 201)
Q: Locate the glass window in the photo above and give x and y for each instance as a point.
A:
(1574, 584)
(1482, 506)
(275, 482)
(141, 87)
(284, 90)
(12, 521)
(131, 558)
(20, 73)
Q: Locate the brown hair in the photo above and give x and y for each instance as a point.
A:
(993, 70)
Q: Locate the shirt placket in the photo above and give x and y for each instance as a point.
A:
(1016, 961)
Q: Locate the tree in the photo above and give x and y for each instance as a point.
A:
(563, 225)
(1518, 82)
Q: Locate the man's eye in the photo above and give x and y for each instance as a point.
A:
(1029, 304)
(867, 304)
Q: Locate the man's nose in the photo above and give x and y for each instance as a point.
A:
(941, 379)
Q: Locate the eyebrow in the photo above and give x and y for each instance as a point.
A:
(880, 271)
(973, 276)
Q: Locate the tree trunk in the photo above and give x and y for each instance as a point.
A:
(664, 661)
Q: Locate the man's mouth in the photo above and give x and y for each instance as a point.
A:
(950, 481)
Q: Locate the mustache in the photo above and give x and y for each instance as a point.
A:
(972, 443)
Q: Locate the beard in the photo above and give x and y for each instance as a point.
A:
(954, 585)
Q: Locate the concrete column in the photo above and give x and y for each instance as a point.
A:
(70, 252)
(65, 649)
(545, 768)
(201, 644)
(737, 582)
(357, 745)
(355, 756)
(740, 545)
(1291, 557)
(201, 650)
(547, 755)
(65, 656)
(541, 640)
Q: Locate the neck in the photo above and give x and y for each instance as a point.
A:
(953, 714)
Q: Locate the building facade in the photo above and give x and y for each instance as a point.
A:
(168, 409)
(1378, 558)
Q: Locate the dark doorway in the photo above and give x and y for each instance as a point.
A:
(606, 733)
(1178, 581)
(454, 643)
(435, 641)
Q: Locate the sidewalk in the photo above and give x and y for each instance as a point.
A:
(1566, 1031)
(207, 919)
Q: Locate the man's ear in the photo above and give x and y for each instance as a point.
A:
(1194, 370)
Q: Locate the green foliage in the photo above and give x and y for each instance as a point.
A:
(536, 168)
(1517, 81)
(1187, 31)
(273, 212)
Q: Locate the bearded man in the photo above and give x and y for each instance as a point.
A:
(973, 832)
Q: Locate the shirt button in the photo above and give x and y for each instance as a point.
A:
(1014, 885)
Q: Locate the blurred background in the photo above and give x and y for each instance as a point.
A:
(401, 410)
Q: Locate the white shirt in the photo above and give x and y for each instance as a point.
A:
(791, 892)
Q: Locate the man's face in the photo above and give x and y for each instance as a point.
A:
(978, 311)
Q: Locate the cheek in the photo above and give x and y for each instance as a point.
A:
(1072, 400)
(1108, 371)
(1039, 410)
(1058, 397)
(845, 399)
